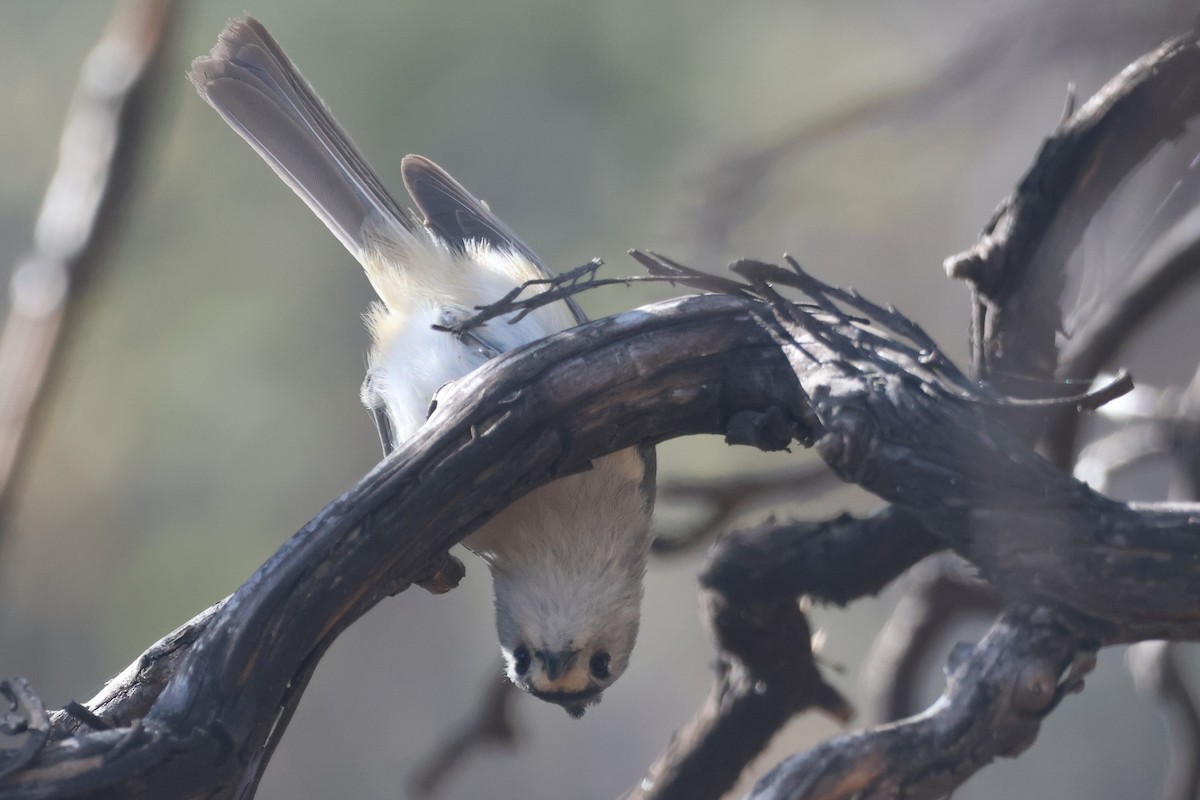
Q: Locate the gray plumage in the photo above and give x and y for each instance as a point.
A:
(568, 559)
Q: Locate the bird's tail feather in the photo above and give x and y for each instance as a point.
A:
(252, 83)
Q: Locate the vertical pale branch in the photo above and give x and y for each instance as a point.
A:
(98, 156)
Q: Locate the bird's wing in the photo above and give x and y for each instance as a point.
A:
(457, 216)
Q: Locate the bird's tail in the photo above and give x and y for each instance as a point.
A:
(252, 83)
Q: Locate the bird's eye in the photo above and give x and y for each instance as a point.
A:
(599, 665)
(521, 660)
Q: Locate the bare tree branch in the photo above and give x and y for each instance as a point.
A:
(489, 725)
(886, 411)
(519, 421)
(995, 700)
(937, 592)
(99, 157)
(1017, 267)
(766, 670)
(835, 561)
(725, 499)
(1113, 324)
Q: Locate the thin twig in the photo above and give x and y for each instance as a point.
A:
(490, 725)
(572, 282)
(1113, 324)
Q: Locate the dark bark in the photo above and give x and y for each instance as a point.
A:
(686, 366)
(1017, 267)
(766, 670)
(995, 699)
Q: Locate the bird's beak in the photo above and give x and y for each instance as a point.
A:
(556, 662)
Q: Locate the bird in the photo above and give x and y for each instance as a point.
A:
(568, 559)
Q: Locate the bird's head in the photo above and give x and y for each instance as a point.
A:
(566, 644)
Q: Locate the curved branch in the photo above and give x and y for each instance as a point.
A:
(936, 593)
(887, 411)
(888, 403)
(1017, 266)
(1113, 324)
(843, 559)
(686, 366)
(993, 705)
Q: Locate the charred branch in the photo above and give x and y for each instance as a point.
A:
(687, 366)
(1017, 267)
(885, 409)
(995, 700)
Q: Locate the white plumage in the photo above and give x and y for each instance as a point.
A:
(568, 559)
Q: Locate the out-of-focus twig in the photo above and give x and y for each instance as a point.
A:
(937, 592)
(733, 189)
(1118, 319)
(1156, 674)
(724, 499)
(491, 724)
(99, 154)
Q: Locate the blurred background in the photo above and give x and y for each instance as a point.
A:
(207, 405)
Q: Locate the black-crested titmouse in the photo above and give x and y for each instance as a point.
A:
(568, 559)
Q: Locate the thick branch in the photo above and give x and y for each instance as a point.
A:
(687, 366)
(765, 675)
(837, 561)
(766, 671)
(888, 406)
(892, 414)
